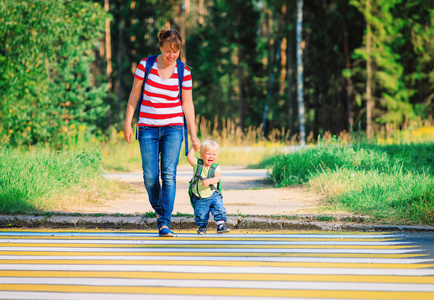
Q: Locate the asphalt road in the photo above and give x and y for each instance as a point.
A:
(290, 265)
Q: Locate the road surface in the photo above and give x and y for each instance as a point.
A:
(139, 265)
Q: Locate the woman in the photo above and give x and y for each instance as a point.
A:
(161, 121)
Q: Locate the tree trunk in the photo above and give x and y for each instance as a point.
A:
(182, 31)
(300, 73)
(317, 101)
(290, 77)
(240, 87)
(369, 99)
(201, 12)
(270, 91)
(283, 47)
(187, 7)
(264, 33)
(240, 76)
(120, 56)
(229, 110)
(108, 55)
(349, 82)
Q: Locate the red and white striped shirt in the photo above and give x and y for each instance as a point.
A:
(161, 105)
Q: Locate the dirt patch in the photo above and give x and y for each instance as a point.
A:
(246, 197)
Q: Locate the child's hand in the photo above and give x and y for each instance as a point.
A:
(190, 157)
(205, 182)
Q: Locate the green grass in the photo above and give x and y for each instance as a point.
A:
(42, 180)
(178, 214)
(392, 183)
(388, 195)
(150, 214)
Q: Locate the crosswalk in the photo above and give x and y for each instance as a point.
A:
(140, 265)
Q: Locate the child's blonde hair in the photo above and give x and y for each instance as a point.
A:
(209, 144)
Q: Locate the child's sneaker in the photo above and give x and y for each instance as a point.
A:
(201, 231)
(222, 228)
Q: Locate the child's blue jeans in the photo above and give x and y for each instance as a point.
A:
(204, 206)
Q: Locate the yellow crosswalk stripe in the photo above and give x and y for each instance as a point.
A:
(201, 238)
(29, 231)
(221, 292)
(65, 245)
(70, 253)
(220, 263)
(221, 276)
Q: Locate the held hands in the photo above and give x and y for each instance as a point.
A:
(196, 143)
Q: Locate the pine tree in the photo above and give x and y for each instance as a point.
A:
(385, 88)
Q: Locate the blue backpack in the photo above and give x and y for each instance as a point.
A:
(149, 63)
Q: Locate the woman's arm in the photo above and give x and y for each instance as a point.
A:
(131, 107)
(188, 108)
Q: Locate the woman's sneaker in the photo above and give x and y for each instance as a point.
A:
(166, 232)
(201, 231)
(222, 228)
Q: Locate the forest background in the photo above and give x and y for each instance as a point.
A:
(67, 66)
(352, 79)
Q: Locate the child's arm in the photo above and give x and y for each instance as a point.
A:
(190, 157)
(210, 181)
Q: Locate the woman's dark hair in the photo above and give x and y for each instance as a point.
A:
(170, 36)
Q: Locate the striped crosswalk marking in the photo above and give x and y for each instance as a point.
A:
(139, 265)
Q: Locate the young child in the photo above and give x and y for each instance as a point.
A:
(206, 198)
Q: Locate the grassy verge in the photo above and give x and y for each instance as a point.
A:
(42, 180)
(392, 183)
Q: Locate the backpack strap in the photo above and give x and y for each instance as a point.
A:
(212, 169)
(195, 180)
(199, 169)
(181, 67)
(149, 64)
(197, 175)
(211, 173)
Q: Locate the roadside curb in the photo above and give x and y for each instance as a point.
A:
(263, 223)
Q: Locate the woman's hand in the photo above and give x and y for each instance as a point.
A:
(131, 107)
(128, 133)
(196, 143)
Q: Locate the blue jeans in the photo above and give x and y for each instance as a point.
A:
(164, 142)
(203, 206)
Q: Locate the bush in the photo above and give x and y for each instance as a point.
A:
(46, 51)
